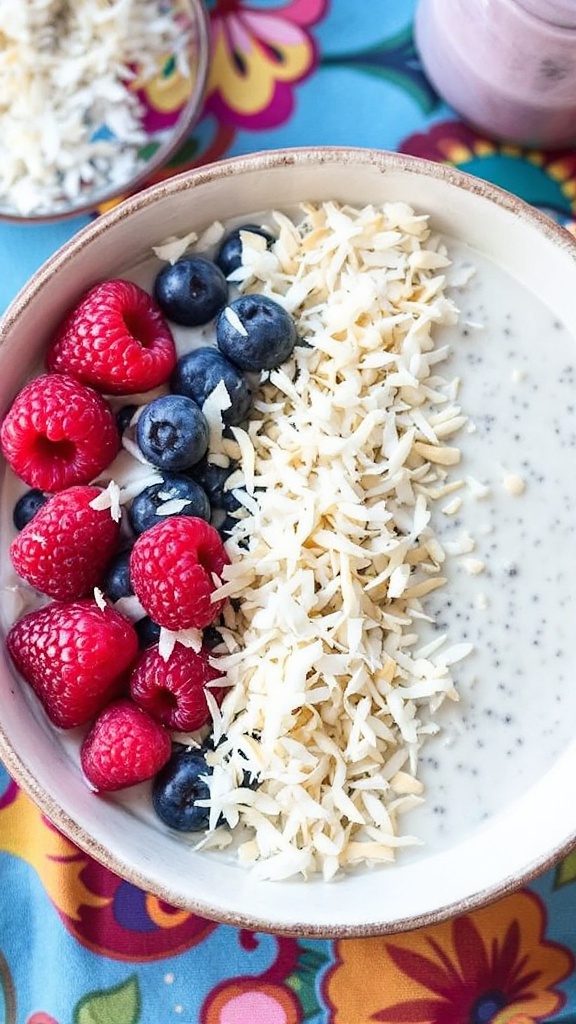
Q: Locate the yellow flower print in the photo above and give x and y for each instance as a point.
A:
(492, 966)
(170, 89)
(257, 57)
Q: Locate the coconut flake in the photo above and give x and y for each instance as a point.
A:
(109, 498)
(173, 248)
(100, 599)
(235, 321)
(329, 698)
(168, 639)
(217, 402)
(514, 484)
(173, 507)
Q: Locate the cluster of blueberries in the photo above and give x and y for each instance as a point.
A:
(253, 333)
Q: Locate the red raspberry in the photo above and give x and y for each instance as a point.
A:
(172, 691)
(124, 746)
(58, 433)
(63, 552)
(171, 567)
(74, 656)
(115, 339)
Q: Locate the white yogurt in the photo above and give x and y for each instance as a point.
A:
(518, 705)
(511, 592)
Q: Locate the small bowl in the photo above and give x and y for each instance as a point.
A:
(498, 777)
(170, 103)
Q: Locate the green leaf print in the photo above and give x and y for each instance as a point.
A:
(303, 981)
(118, 1005)
(565, 871)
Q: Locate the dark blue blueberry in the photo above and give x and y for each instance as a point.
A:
(225, 528)
(124, 416)
(211, 637)
(212, 480)
(172, 432)
(148, 631)
(200, 371)
(249, 781)
(117, 582)
(27, 506)
(143, 512)
(255, 333)
(229, 255)
(177, 788)
(191, 291)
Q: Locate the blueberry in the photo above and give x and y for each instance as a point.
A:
(191, 291)
(255, 332)
(27, 506)
(229, 255)
(211, 637)
(212, 479)
(172, 432)
(225, 529)
(143, 512)
(117, 582)
(148, 631)
(177, 788)
(124, 416)
(200, 371)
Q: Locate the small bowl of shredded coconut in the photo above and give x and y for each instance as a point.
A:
(95, 95)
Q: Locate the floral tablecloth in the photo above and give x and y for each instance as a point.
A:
(77, 944)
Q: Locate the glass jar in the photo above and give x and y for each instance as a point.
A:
(506, 66)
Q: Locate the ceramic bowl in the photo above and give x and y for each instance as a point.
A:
(170, 103)
(499, 804)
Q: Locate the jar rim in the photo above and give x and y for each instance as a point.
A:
(559, 13)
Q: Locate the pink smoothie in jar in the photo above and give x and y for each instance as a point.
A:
(506, 66)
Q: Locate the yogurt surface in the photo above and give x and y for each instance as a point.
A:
(511, 592)
(514, 595)
(511, 542)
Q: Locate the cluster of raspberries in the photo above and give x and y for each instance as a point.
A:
(79, 654)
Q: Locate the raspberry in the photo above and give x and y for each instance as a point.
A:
(63, 552)
(172, 691)
(115, 339)
(124, 746)
(172, 566)
(74, 656)
(58, 433)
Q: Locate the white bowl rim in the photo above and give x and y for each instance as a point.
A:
(382, 160)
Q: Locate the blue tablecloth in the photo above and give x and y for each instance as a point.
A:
(78, 944)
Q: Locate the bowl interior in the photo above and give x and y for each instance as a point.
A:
(489, 820)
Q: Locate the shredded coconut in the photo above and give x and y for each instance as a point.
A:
(330, 699)
(109, 498)
(473, 565)
(477, 488)
(69, 111)
(191, 638)
(514, 484)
